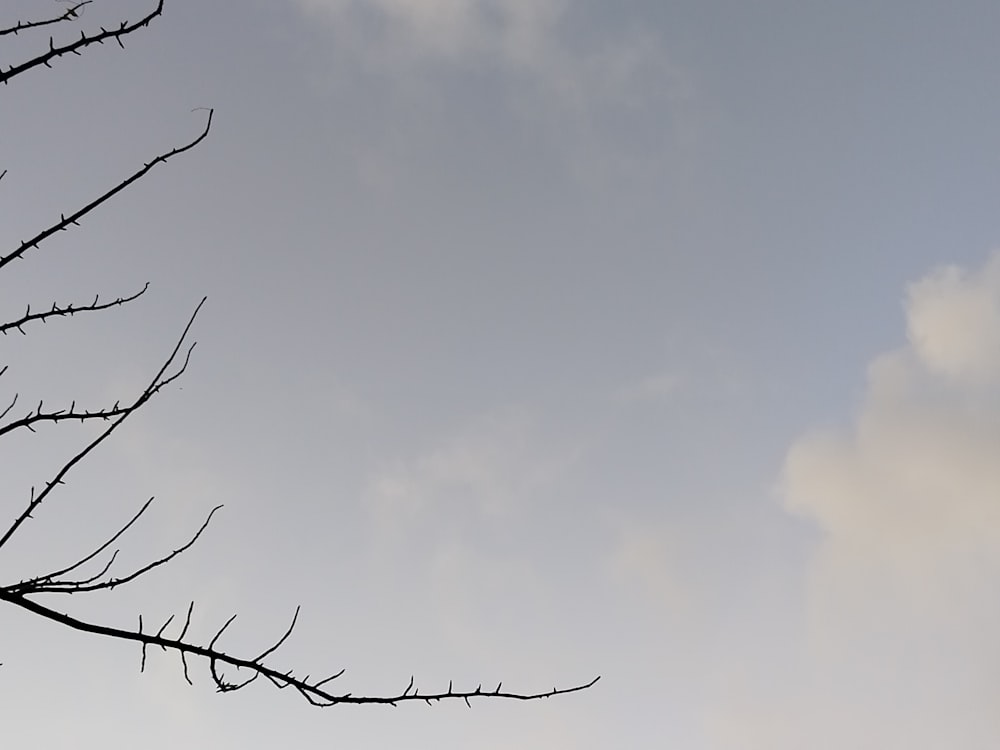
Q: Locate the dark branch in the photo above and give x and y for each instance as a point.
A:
(55, 51)
(63, 310)
(312, 690)
(228, 672)
(159, 381)
(65, 221)
(54, 583)
(36, 416)
(62, 415)
(25, 586)
(70, 14)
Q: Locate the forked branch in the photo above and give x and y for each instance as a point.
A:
(241, 671)
(158, 382)
(229, 672)
(57, 583)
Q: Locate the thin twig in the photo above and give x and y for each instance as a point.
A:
(71, 13)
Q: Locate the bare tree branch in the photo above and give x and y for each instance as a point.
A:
(74, 218)
(70, 14)
(61, 415)
(93, 571)
(33, 583)
(55, 51)
(53, 583)
(313, 691)
(67, 310)
(36, 416)
(159, 381)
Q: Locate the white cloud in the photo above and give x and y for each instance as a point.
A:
(899, 649)
(606, 98)
(524, 39)
(917, 481)
(516, 31)
(954, 322)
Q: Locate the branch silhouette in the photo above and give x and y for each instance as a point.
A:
(73, 219)
(313, 690)
(58, 311)
(229, 672)
(72, 48)
(69, 14)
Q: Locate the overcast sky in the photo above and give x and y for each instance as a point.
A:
(544, 339)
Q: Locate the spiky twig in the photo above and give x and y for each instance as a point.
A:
(86, 40)
(58, 311)
(66, 220)
(69, 14)
(314, 691)
(158, 382)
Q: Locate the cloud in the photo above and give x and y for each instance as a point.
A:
(916, 482)
(601, 93)
(899, 648)
(653, 389)
(954, 322)
(524, 40)
(513, 30)
(489, 470)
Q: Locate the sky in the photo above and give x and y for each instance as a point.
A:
(545, 339)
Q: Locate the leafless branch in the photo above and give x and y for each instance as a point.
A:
(74, 218)
(37, 415)
(29, 584)
(93, 571)
(54, 583)
(159, 381)
(314, 691)
(67, 310)
(56, 51)
(71, 13)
